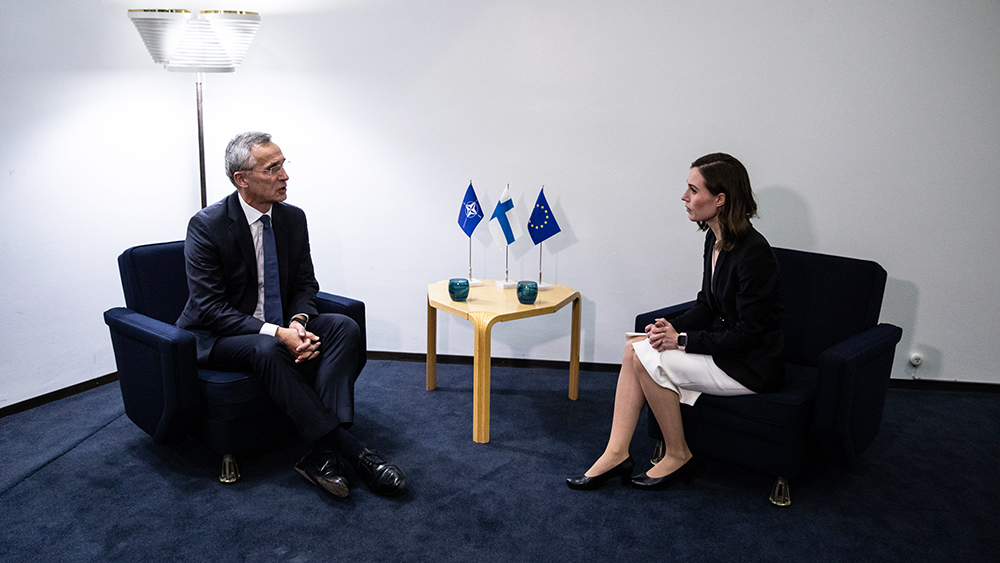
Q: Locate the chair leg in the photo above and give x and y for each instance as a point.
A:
(779, 494)
(658, 452)
(230, 473)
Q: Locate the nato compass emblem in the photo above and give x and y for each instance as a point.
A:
(471, 209)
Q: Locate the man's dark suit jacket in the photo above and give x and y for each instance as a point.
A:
(737, 317)
(222, 271)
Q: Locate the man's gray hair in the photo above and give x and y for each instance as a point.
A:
(238, 155)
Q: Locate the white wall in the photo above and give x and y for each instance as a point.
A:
(870, 130)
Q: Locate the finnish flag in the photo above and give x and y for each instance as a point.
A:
(504, 223)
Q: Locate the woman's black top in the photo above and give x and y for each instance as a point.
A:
(737, 317)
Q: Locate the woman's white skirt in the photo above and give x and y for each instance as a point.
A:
(688, 375)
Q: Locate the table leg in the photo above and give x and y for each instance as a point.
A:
(574, 351)
(483, 324)
(431, 347)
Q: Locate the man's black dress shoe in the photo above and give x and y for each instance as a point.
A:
(584, 483)
(382, 478)
(323, 469)
(685, 472)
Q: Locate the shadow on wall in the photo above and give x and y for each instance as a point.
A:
(785, 218)
(546, 255)
(524, 246)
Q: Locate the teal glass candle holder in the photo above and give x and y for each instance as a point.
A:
(458, 289)
(527, 292)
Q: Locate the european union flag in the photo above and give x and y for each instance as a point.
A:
(542, 224)
(471, 213)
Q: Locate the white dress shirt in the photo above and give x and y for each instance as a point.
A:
(257, 232)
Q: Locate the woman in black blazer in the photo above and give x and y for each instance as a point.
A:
(728, 343)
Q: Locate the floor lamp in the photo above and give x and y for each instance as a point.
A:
(211, 41)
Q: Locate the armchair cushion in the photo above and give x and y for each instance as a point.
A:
(783, 416)
(230, 395)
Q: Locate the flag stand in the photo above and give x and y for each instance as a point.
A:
(506, 283)
(473, 282)
(542, 286)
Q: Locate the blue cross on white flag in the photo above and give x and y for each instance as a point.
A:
(504, 223)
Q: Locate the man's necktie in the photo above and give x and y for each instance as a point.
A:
(272, 287)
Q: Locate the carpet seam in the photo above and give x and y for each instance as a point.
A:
(55, 458)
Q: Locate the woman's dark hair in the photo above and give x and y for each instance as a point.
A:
(725, 175)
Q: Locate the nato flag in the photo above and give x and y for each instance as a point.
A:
(471, 213)
(542, 224)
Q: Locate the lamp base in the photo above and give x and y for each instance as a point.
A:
(506, 284)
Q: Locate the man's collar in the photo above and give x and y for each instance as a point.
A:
(252, 214)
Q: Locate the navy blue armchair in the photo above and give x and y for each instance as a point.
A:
(164, 391)
(838, 360)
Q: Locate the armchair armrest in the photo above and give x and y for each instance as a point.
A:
(158, 373)
(330, 303)
(852, 382)
(668, 313)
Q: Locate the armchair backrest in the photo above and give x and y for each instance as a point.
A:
(827, 300)
(154, 280)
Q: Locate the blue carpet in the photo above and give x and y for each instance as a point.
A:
(80, 482)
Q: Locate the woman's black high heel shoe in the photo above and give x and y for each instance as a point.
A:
(584, 483)
(685, 472)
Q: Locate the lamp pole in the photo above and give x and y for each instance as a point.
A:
(199, 78)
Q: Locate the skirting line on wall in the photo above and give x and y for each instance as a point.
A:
(926, 384)
(58, 394)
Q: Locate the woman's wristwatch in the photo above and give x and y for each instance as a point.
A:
(682, 341)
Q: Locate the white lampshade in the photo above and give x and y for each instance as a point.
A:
(212, 41)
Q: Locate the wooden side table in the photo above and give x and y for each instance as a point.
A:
(487, 305)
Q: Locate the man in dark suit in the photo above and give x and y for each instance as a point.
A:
(252, 308)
